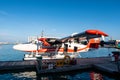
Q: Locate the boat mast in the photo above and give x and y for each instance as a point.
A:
(42, 33)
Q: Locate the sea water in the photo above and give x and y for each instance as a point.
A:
(7, 53)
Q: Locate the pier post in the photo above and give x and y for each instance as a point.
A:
(39, 60)
(116, 55)
(118, 66)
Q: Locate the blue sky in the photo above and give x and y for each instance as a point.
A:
(22, 18)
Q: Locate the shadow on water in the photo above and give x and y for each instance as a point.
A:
(86, 74)
(26, 75)
(71, 75)
(62, 76)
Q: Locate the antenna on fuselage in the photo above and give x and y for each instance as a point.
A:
(42, 33)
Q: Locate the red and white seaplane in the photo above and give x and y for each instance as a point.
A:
(57, 48)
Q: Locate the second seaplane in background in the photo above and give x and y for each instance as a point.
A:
(54, 48)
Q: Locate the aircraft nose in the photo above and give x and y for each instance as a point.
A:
(17, 47)
(25, 47)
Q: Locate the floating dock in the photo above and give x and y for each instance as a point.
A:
(103, 64)
(100, 63)
(17, 65)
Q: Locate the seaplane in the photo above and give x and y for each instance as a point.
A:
(55, 48)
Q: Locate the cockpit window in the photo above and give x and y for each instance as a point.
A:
(84, 42)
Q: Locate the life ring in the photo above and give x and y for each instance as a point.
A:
(67, 59)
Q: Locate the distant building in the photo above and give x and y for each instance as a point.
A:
(4, 43)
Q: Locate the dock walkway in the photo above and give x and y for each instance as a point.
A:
(17, 65)
(111, 67)
(101, 63)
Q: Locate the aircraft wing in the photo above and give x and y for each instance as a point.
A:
(88, 34)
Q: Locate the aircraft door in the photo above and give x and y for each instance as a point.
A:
(65, 47)
(75, 49)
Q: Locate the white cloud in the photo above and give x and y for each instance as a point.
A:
(3, 12)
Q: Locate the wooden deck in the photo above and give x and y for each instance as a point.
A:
(101, 63)
(111, 67)
(17, 65)
(63, 69)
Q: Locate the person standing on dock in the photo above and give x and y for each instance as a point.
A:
(73, 61)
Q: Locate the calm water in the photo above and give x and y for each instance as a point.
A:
(7, 53)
